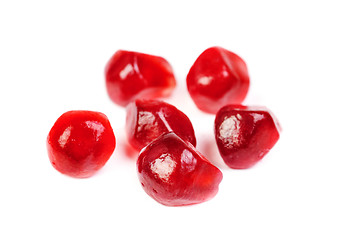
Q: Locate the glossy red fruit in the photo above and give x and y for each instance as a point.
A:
(174, 173)
(80, 143)
(132, 75)
(217, 78)
(244, 135)
(148, 119)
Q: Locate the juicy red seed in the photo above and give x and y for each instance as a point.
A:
(244, 135)
(132, 75)
(148, 119)
(80, 143)
(217, 78)
(174, 173)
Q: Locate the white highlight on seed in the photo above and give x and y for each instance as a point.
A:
(126, 71)
(97, 127)
(205, 80)
(64, 137)
(224, 73)
(257, 117)
(188, 161)
(163, 166)
(146, 121)
(229, 130)
(162, 117)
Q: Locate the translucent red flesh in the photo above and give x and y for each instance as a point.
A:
(217, 78)
(132, 75)
(80, 143)
(173, 173)
(148, 119)
(244, 135)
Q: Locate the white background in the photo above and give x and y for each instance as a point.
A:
(52, 58)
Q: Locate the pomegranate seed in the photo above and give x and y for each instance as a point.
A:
(244, 135)
(132, 75)
(80, 143)
(174, 173)
(148, 119)
(217, 78)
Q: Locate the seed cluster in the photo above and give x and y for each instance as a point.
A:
(171, 170)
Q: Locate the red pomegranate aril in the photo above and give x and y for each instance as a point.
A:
(132, 75)
(174, 173)
(80, 143)
(244, 135)
(148, 119)
(217, 78)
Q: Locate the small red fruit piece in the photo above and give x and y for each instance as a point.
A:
(174, 173)
(217, 78)
(148, 119)
(244, 135)
(132, 75)
(80, 143)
